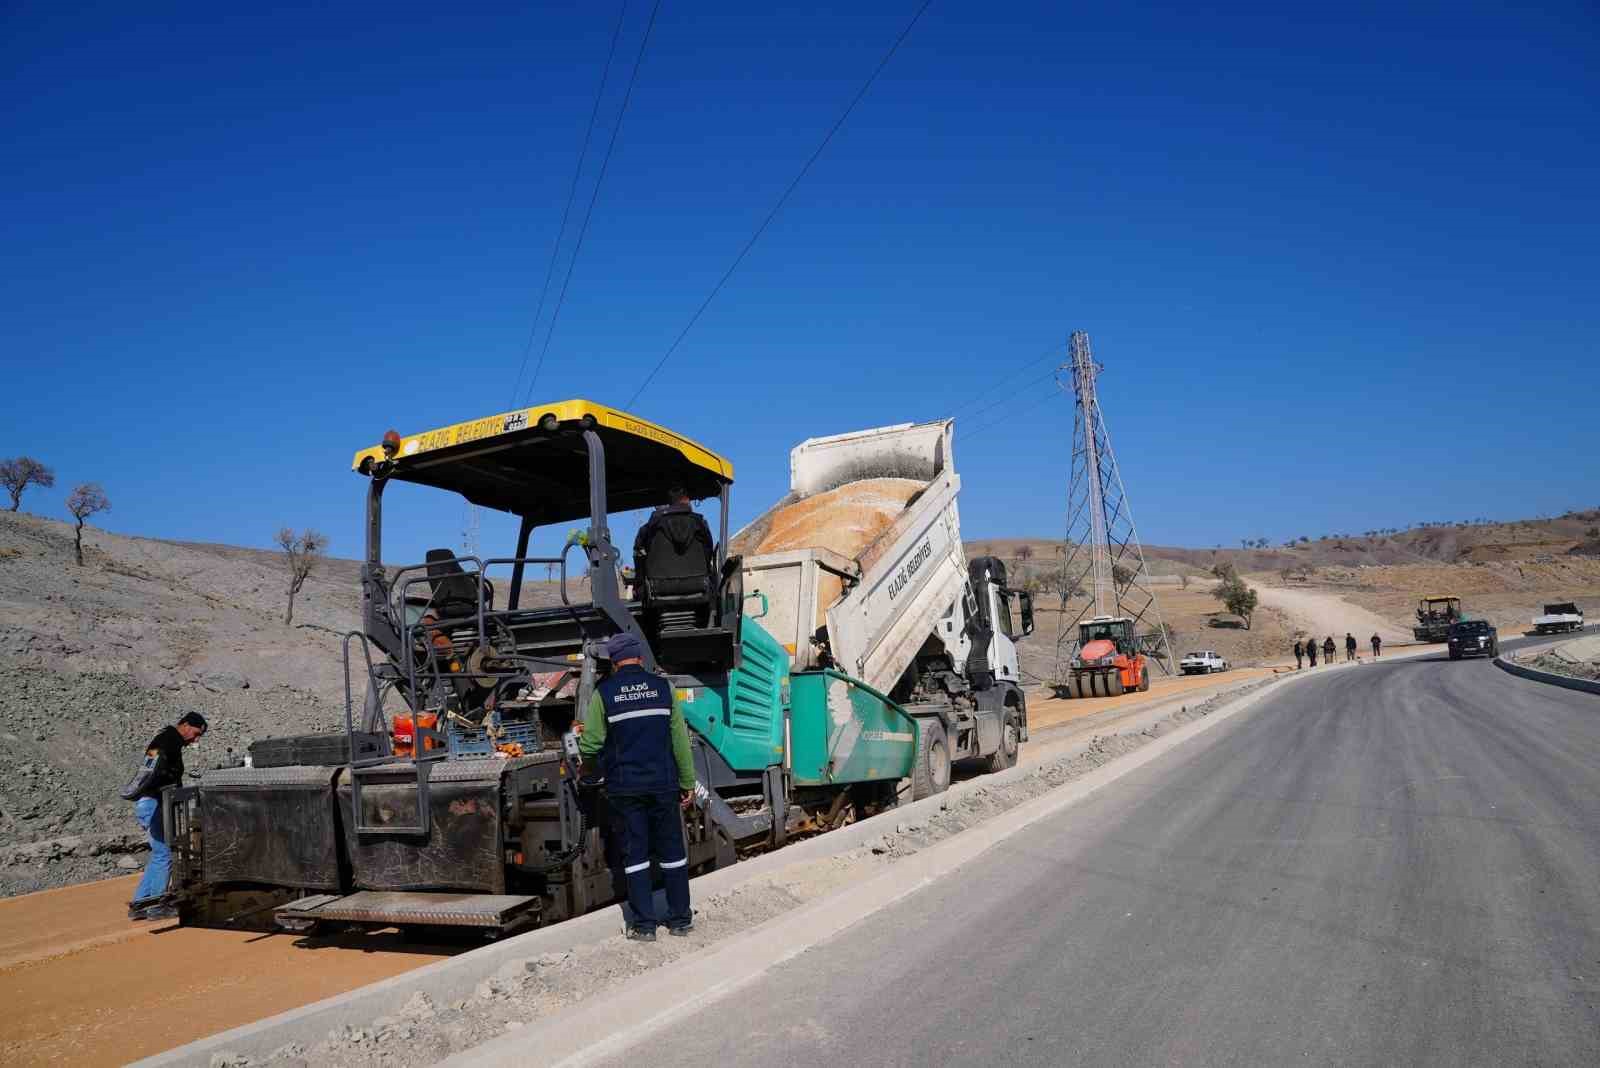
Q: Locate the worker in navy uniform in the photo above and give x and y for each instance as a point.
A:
(161, 767)
(692, 527)
(634, 724)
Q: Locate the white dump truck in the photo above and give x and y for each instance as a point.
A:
(862, 568)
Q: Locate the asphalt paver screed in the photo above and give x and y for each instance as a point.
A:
(83, 985)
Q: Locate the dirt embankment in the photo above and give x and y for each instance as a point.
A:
(97, 658)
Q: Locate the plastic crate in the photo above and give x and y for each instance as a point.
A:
(474, 741)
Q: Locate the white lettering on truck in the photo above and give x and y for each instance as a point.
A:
(909, 569)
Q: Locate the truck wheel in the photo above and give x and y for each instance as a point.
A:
(1010, 737)
(1114, 683)
(1144, 680)
(931, 773)
(870, 798)
(1081, 685)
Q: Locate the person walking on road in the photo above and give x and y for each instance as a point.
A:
(1311, 651)
(161, 767)
(1299, 655)
(1377, 644)
(1329, 650)
(634, 725)
(1349, 646)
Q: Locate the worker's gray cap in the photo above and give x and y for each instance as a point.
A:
(624, 646)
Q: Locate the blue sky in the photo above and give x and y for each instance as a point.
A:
(240, 246)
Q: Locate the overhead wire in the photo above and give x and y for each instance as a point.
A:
(778, 206)
(1005, 398)
(1026, 407)
(1024, 365)
(566, 212)
(594, 196)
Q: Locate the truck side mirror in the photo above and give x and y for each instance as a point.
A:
(1027, 612)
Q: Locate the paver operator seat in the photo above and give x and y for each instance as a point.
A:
(677, 571)
(455, 593)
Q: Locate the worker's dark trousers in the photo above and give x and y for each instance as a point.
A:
(613, 835)
(653, 831)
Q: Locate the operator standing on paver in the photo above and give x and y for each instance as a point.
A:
(635, 725)
(161, 767)
(1349, 646)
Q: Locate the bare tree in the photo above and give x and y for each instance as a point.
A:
(86, 499)
(24, 471)
(301, 551)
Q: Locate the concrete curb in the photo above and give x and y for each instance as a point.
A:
(1550, 678)
(457, 977)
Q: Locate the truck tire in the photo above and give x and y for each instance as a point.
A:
(870, 798)
(1114, 683)
(1144, 679)
(931, 773)
(1010, 739)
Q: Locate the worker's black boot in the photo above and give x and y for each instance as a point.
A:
(641, 934)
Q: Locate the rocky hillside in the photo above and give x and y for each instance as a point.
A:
(96, 659)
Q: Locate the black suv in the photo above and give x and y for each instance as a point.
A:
(1473, 637)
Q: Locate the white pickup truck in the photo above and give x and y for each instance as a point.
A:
(1558, 618)
(1203, 663)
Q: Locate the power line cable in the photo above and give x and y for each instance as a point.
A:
(1004, 398)
(777, 207)
(572, 191)
(1010, 415)
(595, 195)
(1053, 350)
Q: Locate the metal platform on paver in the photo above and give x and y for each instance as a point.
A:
(441, 909)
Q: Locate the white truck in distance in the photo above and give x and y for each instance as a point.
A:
(1202, 663)
(1557, 618)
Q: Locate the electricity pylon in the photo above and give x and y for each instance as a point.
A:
(1101, 558)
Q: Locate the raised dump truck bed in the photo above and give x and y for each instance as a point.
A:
(861, 568)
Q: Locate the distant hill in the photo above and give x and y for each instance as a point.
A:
(1575, 533)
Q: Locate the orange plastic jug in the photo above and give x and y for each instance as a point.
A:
(404, 731)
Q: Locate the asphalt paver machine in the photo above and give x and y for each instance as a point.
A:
(452, 798)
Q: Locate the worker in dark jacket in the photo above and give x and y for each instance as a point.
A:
(692, 527)
(1329, 650)
(161, 767)
(1299, 655)
(1311, 651)
(1349, 646)
(634, 725)
(1377, 645)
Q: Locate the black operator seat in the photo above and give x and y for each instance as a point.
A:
(677, 569)
(455, 593)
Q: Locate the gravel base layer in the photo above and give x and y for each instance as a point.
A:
(1555, 663)
(421, 1032)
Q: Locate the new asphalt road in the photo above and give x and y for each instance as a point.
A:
(1392, 864)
